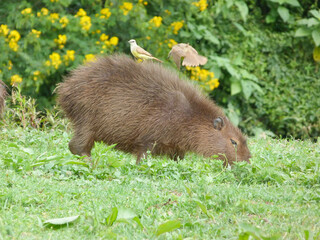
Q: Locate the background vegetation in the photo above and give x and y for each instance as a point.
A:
(262, 54)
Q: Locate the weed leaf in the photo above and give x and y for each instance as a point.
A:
(61, 221)
(168, 227)
(112, 217)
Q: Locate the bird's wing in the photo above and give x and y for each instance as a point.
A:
(192, 58)
(140, 50)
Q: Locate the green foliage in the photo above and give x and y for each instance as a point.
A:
(259, 51)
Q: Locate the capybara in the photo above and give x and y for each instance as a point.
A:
(3, 94)
(144, 107)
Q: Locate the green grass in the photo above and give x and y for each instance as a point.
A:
(277, 196)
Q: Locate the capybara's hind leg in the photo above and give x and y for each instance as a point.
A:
(81, 144)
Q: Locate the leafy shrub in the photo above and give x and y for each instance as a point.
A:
(259, 66)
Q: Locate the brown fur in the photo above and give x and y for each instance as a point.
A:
(141, 107)
(3, 94)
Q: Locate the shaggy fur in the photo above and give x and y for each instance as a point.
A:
(144, 106)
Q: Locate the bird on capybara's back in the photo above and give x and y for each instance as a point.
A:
(144, 107)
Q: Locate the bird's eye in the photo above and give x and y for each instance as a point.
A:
(234, 143)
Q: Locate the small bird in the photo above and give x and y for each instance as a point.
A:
(139, 52)
(188, 53)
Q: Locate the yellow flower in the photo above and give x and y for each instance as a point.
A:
(35, 32)
(156, 21)
(47, 63)
(26, 11)
(10, 65)
(4, 29)
(14, 36)
(114, 41)
(44, 11)
(85, 22)
(54, 0)
(104, 37)
(61, 40)
(54, 17)
(81, 13)
(202, 5)
(55, 60)
(13, 45)
(171, 43)
(145, 3)
(213, 83)
(35, 75)
(89, 58)
(105, 13)
(167, 12)
(177, 26)
(148, 37)
(98, 31)
(15, 79)
(64, 21)
(69, 55)
(126, 7)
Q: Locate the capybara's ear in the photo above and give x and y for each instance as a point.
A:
(218, 123)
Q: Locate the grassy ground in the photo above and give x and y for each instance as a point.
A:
(276, 197)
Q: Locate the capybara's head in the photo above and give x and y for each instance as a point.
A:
(224, 140)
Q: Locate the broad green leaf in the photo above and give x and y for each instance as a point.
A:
(112, 217)
(294, 3)
(235, 86)
(126, 213)
(246, 88)
(315, 13)
(316, 37)
(316, 54)
(27, 150)
(313, 22)
(210, 37)
(243, 9)
(168, 227)
(284, 13)
(61, 221)
(302, 32)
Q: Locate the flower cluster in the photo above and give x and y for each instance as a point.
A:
(105, 13)
(64, 22)
(55, 60)
(202, 5)
(54, 17)
(171, 43)
(126, 7)
(89, 58)
(13, 38)
(176, 26)
(36, 33)
(204, 76)
(26, 11)
(15, 79)
(156, 21)
(61, 40)
(43, 12)
(69, 56)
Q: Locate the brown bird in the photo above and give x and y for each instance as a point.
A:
(139, 52)
(188, 53)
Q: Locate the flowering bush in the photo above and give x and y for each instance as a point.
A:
(43, 43)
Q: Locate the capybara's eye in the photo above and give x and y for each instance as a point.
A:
(234, 143)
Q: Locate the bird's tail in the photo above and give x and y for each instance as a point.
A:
(157, 59)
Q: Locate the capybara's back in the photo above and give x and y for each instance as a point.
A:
(3, 94)
(144, 106)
